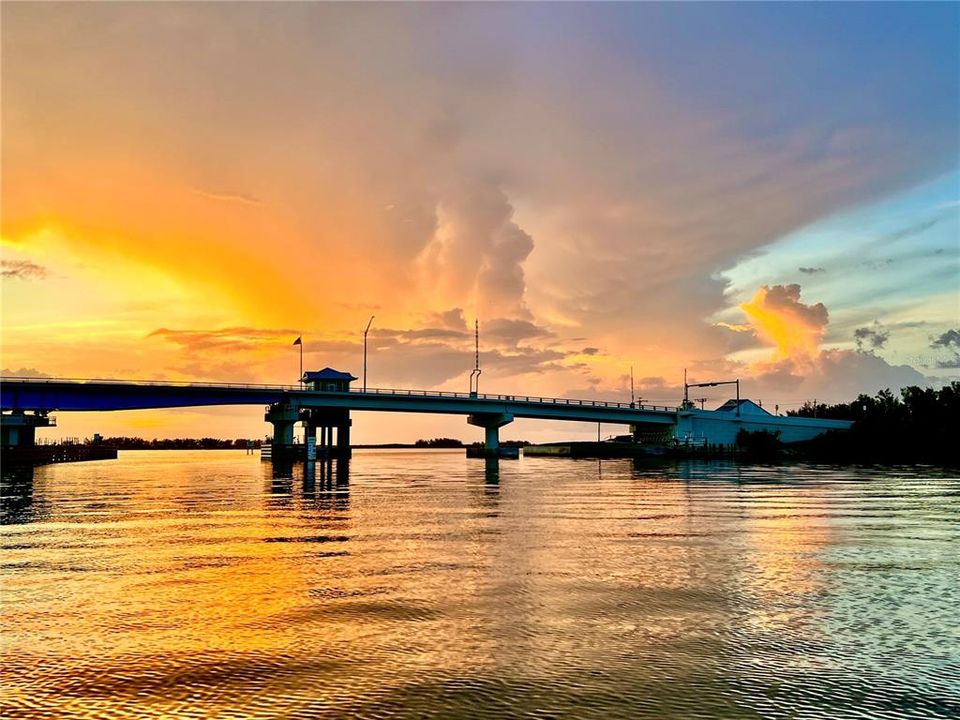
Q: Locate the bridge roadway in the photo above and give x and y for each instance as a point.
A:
(66, 394)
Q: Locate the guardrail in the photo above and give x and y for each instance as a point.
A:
(154, 383)
(529, 399)
(515, 398)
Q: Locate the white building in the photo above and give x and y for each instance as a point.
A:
(720, 426)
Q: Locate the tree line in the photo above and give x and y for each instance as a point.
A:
(207, 443)
(918, 425)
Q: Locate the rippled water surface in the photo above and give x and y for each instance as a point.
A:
(206, 584)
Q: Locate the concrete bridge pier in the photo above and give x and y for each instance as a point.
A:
(283, 417)
(491, 423)
(320, 423)
(343, 438)
(19, 428)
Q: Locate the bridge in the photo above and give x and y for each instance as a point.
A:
(324, 404)
(26, 402)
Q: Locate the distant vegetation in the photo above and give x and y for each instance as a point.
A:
(505, 443)
(136, 443)
(439, 443)
(918, 426)
(451, 443)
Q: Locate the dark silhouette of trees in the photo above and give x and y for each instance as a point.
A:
(759, 444)
(439, 443)
(137, 443)
(921, 425)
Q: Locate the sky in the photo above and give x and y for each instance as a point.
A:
(762, 191)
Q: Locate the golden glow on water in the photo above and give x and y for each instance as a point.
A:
(199, 584)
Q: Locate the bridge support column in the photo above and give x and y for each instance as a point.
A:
(491, 423)
(492, 437)
(343, 439)
(283, 417)
(325, 420)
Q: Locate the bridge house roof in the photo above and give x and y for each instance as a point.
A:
(327, 374)
(746, 406)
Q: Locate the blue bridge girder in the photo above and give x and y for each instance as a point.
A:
(17, 393)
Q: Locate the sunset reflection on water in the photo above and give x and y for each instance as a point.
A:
(200, 584)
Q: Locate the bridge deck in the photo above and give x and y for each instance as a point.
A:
(68, 394)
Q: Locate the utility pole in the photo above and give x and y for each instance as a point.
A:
(369, 323)
(633, 399)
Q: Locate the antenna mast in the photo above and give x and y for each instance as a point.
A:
(475, 373)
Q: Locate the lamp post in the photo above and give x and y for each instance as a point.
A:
(369, 323)
(299, 341)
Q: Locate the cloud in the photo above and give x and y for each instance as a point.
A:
(428, 365)
(951, 338)
(541, 182)
(417, 357)
(733, 337)
(832, 375)
(778, 316)
(873, 338)
(477, 251)
(950, 363)
(363, 307)
(511, 332)
(811, 270)
(25, 373)
(838, 375)
(383, 337)
(232, 197)
(799, 367)
(452, 319)
(909, 231)
(651, 390)
(784, 375)
(500, 285)
(226, 339)
(491, 138)
(235, 371)
(434, 334)
(22, 270)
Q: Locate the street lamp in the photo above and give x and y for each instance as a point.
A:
(369, 323)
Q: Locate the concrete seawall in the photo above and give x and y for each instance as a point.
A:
(48, 454)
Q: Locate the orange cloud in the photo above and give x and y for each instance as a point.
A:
(778, 317)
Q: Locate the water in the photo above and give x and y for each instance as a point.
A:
(198, 584)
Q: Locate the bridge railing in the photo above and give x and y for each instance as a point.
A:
(515, 398)
(532, 399)
(153, 383)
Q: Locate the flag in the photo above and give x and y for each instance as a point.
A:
(298, 341)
